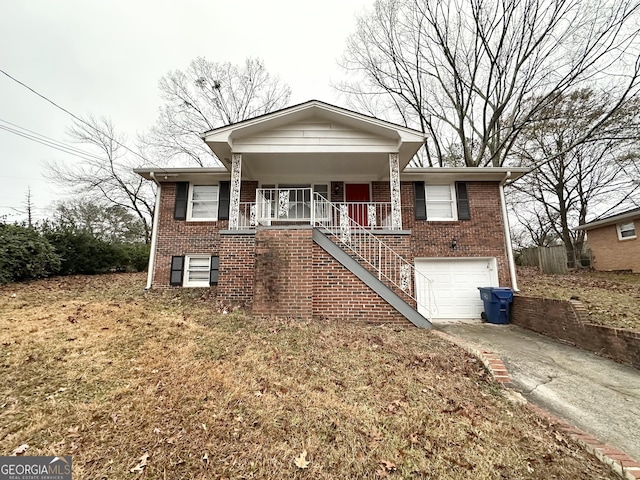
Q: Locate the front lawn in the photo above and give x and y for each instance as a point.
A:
(165, 385)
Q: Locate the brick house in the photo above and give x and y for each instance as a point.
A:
(614, 242)
(315, 214)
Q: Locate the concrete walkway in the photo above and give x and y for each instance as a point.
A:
(596, 395)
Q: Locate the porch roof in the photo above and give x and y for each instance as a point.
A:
(314, 138)
(435, 174)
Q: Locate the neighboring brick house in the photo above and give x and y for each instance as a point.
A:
(316, 215)
(614, 241)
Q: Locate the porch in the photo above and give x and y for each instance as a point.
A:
(311, 206)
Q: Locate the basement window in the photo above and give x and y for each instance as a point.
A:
(626, 231)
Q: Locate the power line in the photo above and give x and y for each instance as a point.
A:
(76, 117)
(49, 139)
(52, 144)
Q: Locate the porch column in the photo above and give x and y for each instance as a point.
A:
(394, 183)
(234, 194)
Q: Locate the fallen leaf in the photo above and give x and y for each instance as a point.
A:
(375, 434)
(388, 466)
(301, 460)
(22, 449)
(143, 463)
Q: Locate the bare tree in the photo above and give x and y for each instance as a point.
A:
(465, 72)
(28, 205)
(209, 95)
(106, 177)
(28, 209)
(592, 177)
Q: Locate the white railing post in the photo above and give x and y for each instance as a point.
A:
(394, 184)
(234, 196)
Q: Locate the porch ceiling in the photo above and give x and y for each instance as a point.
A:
(320, 166)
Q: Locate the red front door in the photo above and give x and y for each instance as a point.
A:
(357, 196)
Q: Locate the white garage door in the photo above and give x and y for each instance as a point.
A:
(455, 285)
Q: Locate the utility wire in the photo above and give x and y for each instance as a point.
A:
(29, 137)
(52, 144)
(49, 139)
(76, 117)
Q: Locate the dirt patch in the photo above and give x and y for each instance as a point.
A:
(611, 299)
(164, 384)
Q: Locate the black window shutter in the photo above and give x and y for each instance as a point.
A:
(177, 269)
(213, 274)
(223, 200)
(420, 202)
(182, 194)
(462, 199)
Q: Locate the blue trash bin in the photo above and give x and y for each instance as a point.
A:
(497, 303)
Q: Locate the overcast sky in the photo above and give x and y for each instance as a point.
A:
(106, 58)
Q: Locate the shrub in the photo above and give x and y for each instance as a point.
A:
(82, 253)
(25, 254)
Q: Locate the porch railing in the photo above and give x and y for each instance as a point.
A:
(376, 256)
(276, 206)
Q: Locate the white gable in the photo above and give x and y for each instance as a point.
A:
(313, 135)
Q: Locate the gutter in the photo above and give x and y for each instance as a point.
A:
(154, 234)
(507, 235)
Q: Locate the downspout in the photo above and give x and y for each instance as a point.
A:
(154, 234)
(507, 235)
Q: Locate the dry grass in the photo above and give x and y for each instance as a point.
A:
(611, 298)
(94, 368)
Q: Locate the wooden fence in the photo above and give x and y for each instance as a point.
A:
(549, 259)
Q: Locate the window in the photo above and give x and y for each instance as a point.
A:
(440, 201)
(626, 231)
(194, 270)
(203, 202)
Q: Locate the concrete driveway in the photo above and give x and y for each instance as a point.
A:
(597, 395)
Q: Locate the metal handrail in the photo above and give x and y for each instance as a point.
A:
(371, 252)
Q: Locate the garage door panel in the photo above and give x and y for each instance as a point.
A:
(455, 286)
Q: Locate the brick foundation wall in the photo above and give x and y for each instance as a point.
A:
(283, 273)
(610, 253)
(338, 295)
(567, 321)
(237, 269)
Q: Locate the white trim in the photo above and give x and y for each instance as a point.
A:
(453, 202)
(620, 230)
(154, 234)
(185, 273)
(190, 218)
(507, 234)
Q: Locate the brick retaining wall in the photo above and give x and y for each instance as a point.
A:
(568, 321)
